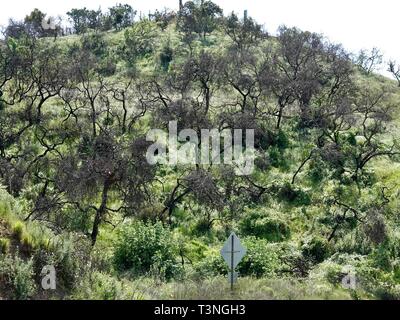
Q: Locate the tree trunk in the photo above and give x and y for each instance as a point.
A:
(100, 212)
(280, 115)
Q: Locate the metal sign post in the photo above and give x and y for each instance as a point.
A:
(232, 257)
(233, 252)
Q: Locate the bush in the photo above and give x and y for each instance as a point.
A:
(381, 258)
(375, 228)
(70, 254)
(194, 250)
(95, 43)
(331, 271)
(282, 141)
(166, 57)
(261, 259)
(211, 265)
(5, 208)
(261, 226)
(317, 171)
(294, 196)
(4, 245)
(201, 227)
(316, 249)
(18, 230)
(99, 286)
(27, 243)
(139, 41)
(277, 158)
(18, 276)
(388, 292)
(143, 248)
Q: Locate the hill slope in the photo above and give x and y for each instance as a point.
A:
(320, 205)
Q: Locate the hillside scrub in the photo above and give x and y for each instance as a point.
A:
(78, 192)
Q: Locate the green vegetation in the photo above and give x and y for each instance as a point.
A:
(78, 193)
(142, 249)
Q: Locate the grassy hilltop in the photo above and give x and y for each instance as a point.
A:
(78, 194)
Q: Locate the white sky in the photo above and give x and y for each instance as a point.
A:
(356, 24)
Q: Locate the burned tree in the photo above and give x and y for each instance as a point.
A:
(369, 61)
(243, 33)
(395, 71)
(104, 176)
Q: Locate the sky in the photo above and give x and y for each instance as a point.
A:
(357, 24)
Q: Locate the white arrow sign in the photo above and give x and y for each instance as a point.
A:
(233, 251)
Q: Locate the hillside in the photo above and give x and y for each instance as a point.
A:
(319, 206)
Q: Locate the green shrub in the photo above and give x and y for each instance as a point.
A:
(316, 249)
(75, 221)
(142, 248)
(294, 196)
(317, 171)
(166, 57)
(195, 250)
(261, 259)
(99, 286)
(8, 205)
(277, 158)
(388, 293)
(27, 243)
(201, 227)
(4, 245)
(331, 271)
(18, 230)
(211, 265)
(261, 226)
(381, 258)
(70, 254)
(282, 141)
(139, 41)
(18, 276)
(95, 43)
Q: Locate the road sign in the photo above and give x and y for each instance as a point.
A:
(233, 252)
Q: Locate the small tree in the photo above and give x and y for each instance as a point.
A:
(34, 22)
(104, 171)
(163, 18)
(121, 16)
(369, 61)
(394, 69)
(94, 19)
(243, 33)
(15, 29)
(142, 248)
(39, 25)
(139, 40)
(199, 17)
(84, 19)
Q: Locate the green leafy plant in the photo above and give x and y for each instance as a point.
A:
(18, 275)
(18, 230)
(142, 248)
(263, 226)
(4, 245)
